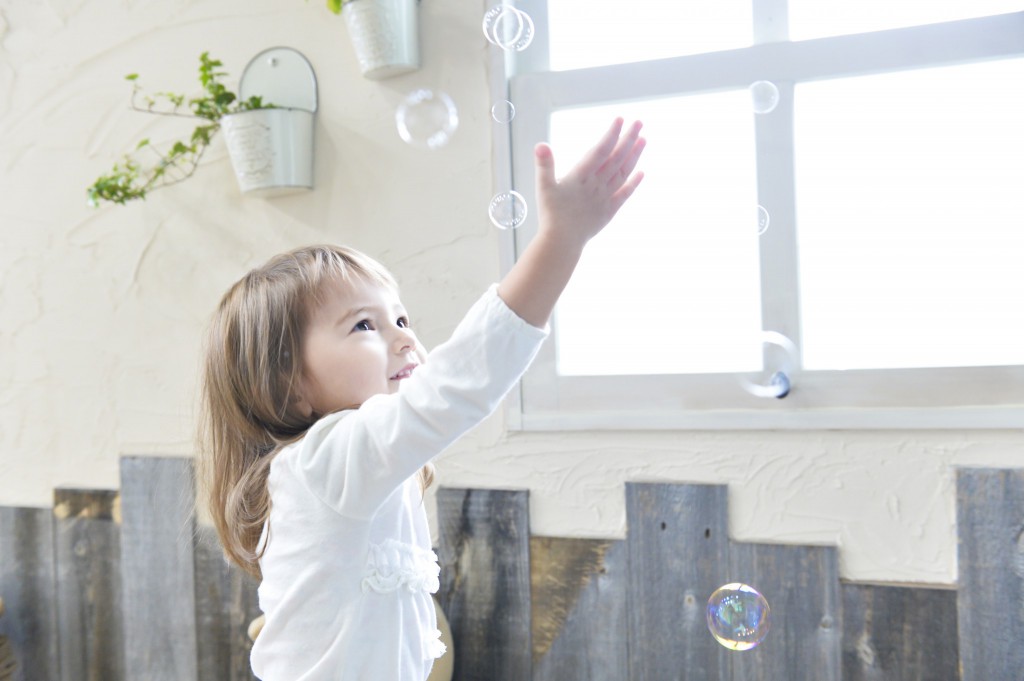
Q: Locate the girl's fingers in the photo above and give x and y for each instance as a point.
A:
(629, 162)
(621, 151)
(626, 190)
(544, 159)
(599, 153)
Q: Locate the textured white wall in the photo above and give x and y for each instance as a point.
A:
(101, 311)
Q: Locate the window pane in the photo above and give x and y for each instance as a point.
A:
(598, 32)
(821, 18)
(911, 236)
(672, 286)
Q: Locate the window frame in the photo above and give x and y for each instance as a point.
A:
(958, 397)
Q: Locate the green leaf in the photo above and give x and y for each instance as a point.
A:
(132, 76)
(335, 5)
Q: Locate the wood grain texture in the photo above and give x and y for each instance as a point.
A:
(27, 585)
(226, 602)
(898, 632)
(484, 553)
(88, 554)
(678, 552)
(579, 609)
(157, 570)
(801, 585)
(990, 599)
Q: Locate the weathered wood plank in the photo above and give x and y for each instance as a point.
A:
(27, 578)
(801, 585)
(157, 498)
(484, 553)
(579, 609)
(896, 632)
(990, 600)
(226, 602)
(678, 552)
(88, 553)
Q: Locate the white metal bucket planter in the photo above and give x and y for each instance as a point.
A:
(385, 36)
(272, 149)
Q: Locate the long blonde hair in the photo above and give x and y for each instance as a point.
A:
(251, 366)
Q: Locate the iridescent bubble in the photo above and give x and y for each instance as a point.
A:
(765, 96)
(762, 220)
(780, 362)
(738, 616)
(503, 111)
(507, 210)
(426, 118)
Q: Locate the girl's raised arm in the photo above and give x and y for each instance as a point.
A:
(571, 211)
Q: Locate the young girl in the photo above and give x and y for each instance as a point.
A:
(323, 411)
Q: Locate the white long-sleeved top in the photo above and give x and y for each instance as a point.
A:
(348, 568)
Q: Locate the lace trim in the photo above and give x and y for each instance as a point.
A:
(432, 646)
(393, 565)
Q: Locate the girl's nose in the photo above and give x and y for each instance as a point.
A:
(404, 341)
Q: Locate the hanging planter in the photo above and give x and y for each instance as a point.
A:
(272, 149)
(269, 131)
(384, 34)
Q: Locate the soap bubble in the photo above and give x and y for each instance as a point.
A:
(508, 28)
(503, 111)
(502, 23)
(523, 40)
(426, 118)
(762, 220)
(780, 361)
(765, 96)
(738, 616)
(507, 210)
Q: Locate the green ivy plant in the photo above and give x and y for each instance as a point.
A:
(134, 177)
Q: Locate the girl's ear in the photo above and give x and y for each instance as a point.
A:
(299, 401)
(304, 407)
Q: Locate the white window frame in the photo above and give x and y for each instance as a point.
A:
(965, 397)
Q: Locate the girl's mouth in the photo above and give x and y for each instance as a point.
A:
(405, 372)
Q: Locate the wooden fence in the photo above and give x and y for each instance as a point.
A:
(125, 585)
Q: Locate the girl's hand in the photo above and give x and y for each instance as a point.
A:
(580, 204)
(571, 211)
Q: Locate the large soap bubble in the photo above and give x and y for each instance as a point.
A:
(426, 118)
(738, 616)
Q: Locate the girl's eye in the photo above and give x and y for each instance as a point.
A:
(403, 322)
(363, 325)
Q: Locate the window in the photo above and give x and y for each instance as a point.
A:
(870, 220)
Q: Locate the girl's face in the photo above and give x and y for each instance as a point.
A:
(358, 344)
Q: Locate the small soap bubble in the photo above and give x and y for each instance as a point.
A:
(765, 96)
(426, 118)
(780, 362)
(762, 220)
(503, 111)
(738, 616)
(507, 210)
